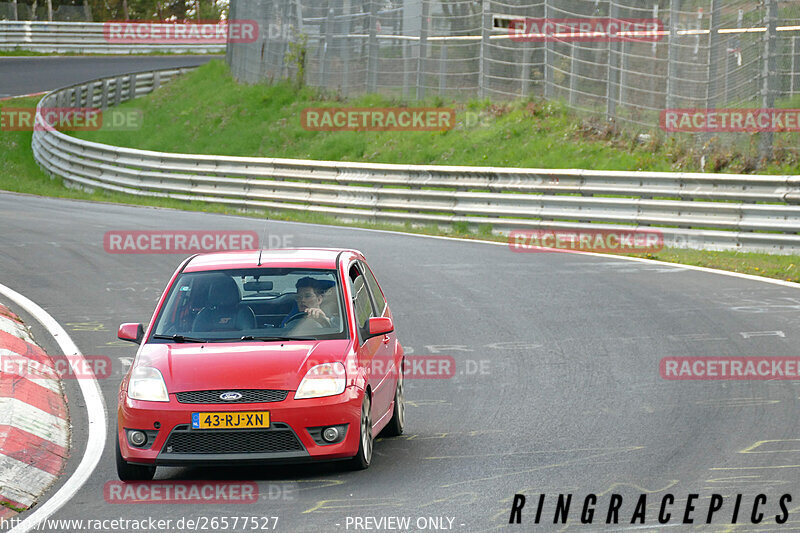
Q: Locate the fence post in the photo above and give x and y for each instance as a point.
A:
(372, 61)
(486, 28)
(346, 48)
(325, 49)
(526, 69)
(422, 50)
(674, 10)
(442, 67)
(612, 90)
(770, 70)
(573, 72)
(795, 66)
(714, 55)
(548, 55)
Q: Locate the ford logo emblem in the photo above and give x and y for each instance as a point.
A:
(230, 396)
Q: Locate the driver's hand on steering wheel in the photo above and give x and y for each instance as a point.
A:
(319, 315)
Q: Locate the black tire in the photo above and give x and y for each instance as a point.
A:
(363, 458)
(397, 424)
(129, 472)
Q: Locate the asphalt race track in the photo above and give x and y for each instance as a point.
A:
(25, 75)
(568, 398)
(556, 387)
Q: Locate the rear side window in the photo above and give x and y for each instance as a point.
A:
(374, 288)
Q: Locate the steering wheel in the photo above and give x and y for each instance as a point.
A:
(298, 316)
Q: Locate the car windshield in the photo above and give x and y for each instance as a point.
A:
(257, 304)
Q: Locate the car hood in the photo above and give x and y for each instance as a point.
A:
(241, 365)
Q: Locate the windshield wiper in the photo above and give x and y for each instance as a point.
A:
(267, 339)
(178, 338)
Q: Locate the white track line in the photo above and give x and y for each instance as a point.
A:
(95, 408)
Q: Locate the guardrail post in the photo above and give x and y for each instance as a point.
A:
(104, 95)
(117, 90)
(131, 87)
(97, 92)
(156, 80)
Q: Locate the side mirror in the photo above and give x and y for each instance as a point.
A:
(131, 332)
(380, 326)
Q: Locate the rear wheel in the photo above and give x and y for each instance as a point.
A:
(398, 421)
(129, 472)
(364, 456)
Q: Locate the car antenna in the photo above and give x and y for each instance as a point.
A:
(260, 247)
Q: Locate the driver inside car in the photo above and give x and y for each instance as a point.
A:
(309, 298)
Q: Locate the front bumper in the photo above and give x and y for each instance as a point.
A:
(288, 439)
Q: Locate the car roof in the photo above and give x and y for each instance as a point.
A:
(270, 258)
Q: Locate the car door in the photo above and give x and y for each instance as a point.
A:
(369, 349)
(386, 350)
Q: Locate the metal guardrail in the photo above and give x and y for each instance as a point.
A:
(82, 37)
(692, 210)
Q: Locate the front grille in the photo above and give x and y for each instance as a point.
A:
(248, 396)
(276, 439)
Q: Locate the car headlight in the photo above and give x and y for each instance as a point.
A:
(147, 384)
(327, 379)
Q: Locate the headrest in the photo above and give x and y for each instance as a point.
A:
(223, 292)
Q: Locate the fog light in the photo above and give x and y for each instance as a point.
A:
(330, 434)
(137, 438)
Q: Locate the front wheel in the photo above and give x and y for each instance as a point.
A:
(364, 456)
(129, 472)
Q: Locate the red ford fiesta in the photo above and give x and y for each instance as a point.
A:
(262, 356)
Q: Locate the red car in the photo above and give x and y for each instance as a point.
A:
(261, 356)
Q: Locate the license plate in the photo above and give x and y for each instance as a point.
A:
(248, 419)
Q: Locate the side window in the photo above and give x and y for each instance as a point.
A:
(375, 289)
(361, 302)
